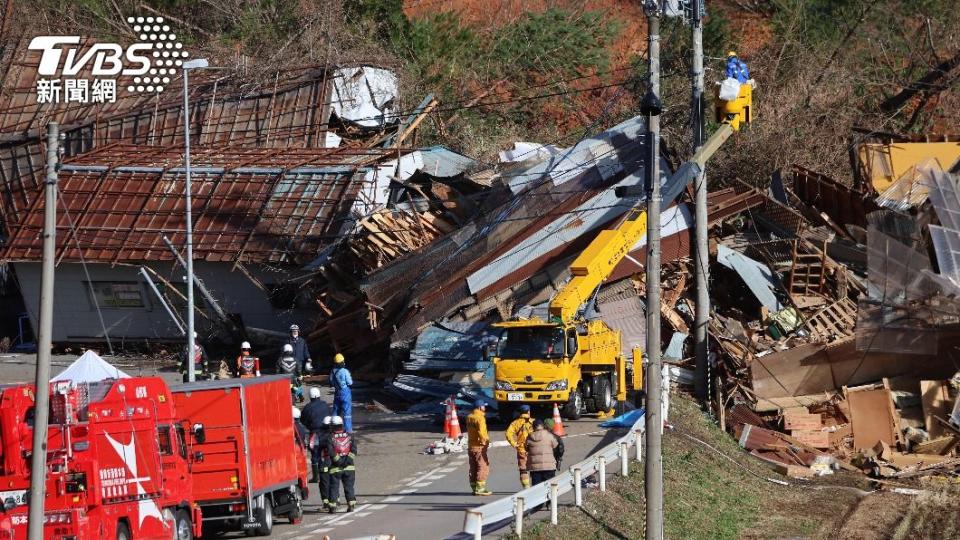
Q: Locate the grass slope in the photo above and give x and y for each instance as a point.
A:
(716, 492)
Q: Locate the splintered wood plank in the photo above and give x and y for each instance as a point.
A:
(936, 402)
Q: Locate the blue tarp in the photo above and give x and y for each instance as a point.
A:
(625, 420)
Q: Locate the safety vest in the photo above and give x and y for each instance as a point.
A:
(288, 365)
(247, 365)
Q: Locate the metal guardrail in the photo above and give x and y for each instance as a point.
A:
(514, 506)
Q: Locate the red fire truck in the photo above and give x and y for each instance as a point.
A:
(253, 465)
(117, 462)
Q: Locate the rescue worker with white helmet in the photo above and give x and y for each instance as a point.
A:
(247, 364)
(341, 381)
(313, 416)
(319, 443)
(287, 365)
(342, 451)
(300, 350)
(300, 427)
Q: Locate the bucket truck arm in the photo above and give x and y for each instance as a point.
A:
(598, 260)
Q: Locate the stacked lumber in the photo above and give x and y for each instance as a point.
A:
(387, 235)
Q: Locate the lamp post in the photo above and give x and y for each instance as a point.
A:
(198, 63)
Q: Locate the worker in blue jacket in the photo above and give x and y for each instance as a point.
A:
(736, 68)
(341, 381)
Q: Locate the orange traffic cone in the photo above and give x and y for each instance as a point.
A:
(454, 432)
(557, 422)
(446, 419)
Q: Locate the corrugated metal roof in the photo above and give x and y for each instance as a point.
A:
(257, 205)
(758, 277)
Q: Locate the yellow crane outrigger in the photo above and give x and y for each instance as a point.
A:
(577, 362)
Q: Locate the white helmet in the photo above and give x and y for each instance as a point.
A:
(294, 327)
(245, 345)
(327, 420)
(314, 392)
(288, 348)
(337, 421)
(194, 335)
(296, 413)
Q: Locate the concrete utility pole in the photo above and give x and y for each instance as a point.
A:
(191, 340)
(651, 107)
(702, 256)
(197, 63)
(38, 461)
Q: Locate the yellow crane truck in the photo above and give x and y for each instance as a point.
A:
(575, 362)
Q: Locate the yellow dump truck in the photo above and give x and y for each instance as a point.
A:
(575, 362)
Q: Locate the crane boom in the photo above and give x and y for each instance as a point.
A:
(597, 261)
(579, 363)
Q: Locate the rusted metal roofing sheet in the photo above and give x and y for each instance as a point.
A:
(256, 205)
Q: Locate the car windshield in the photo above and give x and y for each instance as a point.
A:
(531, 342)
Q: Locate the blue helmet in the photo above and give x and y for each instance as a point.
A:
(524, 408)
(480, 403)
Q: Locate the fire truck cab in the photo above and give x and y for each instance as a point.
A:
(118, 462)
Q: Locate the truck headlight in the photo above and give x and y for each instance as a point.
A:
(502, 385)
(557, 385)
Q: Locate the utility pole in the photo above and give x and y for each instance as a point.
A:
(38, 461)
(652, 107)
(191, 339)
(702, 256)
(196, 63)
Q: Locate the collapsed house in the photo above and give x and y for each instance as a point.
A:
(283, 167)
(845, 355)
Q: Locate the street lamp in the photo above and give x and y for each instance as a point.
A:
(197, 63)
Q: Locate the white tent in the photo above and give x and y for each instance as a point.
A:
(89, 368)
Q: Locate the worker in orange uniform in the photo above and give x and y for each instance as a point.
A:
(477, 443)
(517, 433)
(247, 364)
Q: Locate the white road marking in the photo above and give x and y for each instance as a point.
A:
(343, 517)
(362, 514)
(380, 506)
(407, 491)
(584, 434)
(392, 498)
(422, 484)
(320, 530)
(417, 481)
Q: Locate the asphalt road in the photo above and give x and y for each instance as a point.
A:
(412, 495)
(400, 490)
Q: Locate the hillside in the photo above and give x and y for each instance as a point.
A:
(550, 71)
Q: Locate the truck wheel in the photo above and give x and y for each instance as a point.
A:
(184, 526)
(574, 407)
(265, 517)
(123, 531)
(604, 394)
(296, 515)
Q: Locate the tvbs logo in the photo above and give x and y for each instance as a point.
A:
(73, 70)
